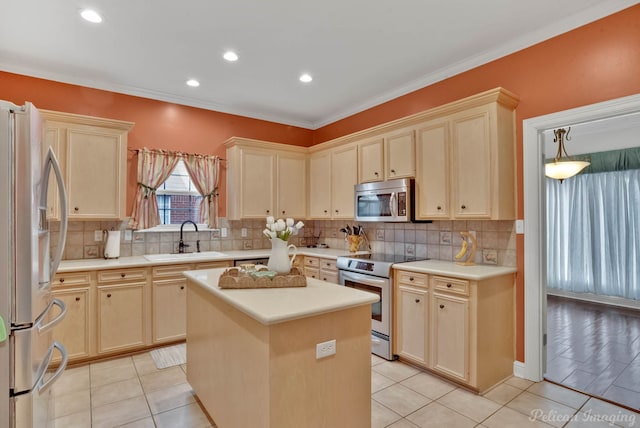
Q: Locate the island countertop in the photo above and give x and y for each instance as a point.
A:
(440, 267)
(276, 305)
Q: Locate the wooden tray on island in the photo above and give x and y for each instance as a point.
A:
(235, 278)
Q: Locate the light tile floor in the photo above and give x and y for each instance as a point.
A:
(132, 392)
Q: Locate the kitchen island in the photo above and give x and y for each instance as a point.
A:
(251, 354)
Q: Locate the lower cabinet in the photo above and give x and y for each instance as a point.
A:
(321, 268)
(73, 330)
(121, 317)
(169, 302)
(461, 329)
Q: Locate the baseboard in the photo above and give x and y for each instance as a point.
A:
(519, 369)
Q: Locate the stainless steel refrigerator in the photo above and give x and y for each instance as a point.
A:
(28, 312)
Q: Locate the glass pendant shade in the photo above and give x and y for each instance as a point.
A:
(561, 168)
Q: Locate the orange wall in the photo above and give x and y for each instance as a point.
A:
(594, 63)
(591, 64)
(158, 124)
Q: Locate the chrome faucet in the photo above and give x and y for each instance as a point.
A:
(181, 244)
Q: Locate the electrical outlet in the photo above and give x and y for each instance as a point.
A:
(243, 232)
(127, 235)
(97, 235)
(325, 349)
(520, 227)
(223, 232)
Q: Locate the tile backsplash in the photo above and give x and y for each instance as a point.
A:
(439, 240)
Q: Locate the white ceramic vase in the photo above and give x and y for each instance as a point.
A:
(279, 259)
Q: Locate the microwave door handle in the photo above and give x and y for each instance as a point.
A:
(393, 204)
(51, 162)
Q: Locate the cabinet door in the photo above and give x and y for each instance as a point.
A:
(53, 136)
(73, 330)
(120, 317)
(169, 310)
(96, 176)
(370, 160)
(320, 185)
(400, 154)
(471, 166)
(450, 336)
(292, 185)
(412, 323)
(257, 179)
(432, 177)
(344, 176)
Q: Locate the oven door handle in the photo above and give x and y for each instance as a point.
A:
(364, 279)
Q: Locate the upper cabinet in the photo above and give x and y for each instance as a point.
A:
(265, 179)
(333, 175)
(387, 157)
(466, 160)
(93, 155)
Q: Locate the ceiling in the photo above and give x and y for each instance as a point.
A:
(360, 52)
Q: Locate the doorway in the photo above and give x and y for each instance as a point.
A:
(535, 271)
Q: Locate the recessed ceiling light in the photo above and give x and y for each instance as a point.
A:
(193, 82)
(91, 16)
(306, 78)
(230, 56)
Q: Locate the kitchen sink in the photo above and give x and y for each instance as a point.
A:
(183, 256)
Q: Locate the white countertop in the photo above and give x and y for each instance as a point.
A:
(440, 267)
(276, 305)
(136, 261)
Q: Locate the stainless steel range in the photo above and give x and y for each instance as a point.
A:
(373, 273)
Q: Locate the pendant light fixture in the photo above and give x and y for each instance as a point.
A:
(562, 168)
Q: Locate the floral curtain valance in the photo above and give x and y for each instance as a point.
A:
(155, 166)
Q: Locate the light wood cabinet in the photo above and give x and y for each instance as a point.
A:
(371, 160)
(74, 331)
(412, 321)
(169, 303)
(122, 314)
(466, 161)
(321, 268)
(336, 170)
(93, 155)
(458, 328)
(399, 154)
(265, 179)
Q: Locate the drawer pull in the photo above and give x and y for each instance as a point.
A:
(449, 285)
(464, 207)
(182, 287)
(77, 299)
(438, 207)
(76, 209)
(268, 211)
(441, 306)
(61, 280)
(109, 295)
(122, 275)
(410, 278)
(417, 300)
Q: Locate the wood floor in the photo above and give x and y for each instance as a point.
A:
(594, 348)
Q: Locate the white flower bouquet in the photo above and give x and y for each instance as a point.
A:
(280, 228)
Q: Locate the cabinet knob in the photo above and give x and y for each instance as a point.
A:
(410, 278)
(393, 171)
(77, 299)
(376, 173)
(109, 295)
(417, 300)
(61, 280)
(76, 209)
(449, 285)
(441, 306)
(336, 211)
(182, 287)
(438, 207)
(464, 207)
(324, 279)
(268, 211)
(325, 211)
(283, 211)
(122, 275)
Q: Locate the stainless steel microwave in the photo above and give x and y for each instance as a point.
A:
(385, 201)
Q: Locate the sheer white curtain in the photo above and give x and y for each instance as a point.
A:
(593, 234)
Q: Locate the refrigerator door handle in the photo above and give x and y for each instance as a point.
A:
(42, 328)
(52, 162)
(42, 385)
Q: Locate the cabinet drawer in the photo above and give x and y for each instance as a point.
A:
(412, 278)
(328, 265)
(451, 285)
(213, 265)
(71, 278)
(313, 262)
(312, 272)
(122, 275)
(169, 270)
